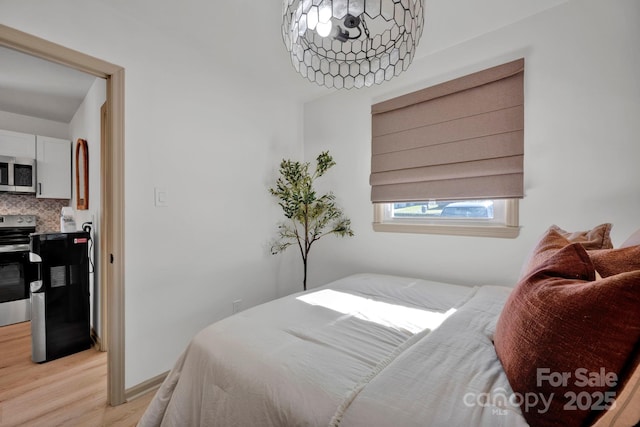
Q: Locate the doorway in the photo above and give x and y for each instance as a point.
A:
(111, 260)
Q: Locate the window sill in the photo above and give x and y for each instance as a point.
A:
(507, 229)
(500, 231)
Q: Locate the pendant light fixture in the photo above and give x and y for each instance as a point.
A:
(351, 43)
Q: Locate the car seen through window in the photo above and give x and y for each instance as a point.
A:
(471, 209)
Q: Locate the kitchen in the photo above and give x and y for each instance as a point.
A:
(45, 110)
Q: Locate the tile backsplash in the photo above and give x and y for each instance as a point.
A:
(46, 210)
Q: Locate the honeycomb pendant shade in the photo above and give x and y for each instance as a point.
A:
(351, 43)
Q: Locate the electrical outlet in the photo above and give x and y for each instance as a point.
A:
(236, 305)
(161, 197)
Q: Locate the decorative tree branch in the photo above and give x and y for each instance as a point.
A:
(309, 217)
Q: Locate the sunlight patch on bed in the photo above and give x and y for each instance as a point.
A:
(394, 316)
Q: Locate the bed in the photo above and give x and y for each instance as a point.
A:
(365, 350)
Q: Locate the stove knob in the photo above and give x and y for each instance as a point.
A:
(20, 220)
(29, 220)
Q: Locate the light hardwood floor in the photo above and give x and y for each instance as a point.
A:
(71, 391)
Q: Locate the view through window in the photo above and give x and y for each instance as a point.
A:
(445, 209)
(485, 218)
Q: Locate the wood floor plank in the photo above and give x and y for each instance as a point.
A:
(70, 391)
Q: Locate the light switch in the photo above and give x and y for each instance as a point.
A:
(162, 199)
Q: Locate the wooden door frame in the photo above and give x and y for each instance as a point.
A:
(111, 260)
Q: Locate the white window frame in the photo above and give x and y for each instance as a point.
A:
(507, 227)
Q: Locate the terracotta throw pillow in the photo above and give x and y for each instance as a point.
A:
(609, 262)
(565, 339)
(597, 238)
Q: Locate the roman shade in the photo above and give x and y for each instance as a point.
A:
(462, 139)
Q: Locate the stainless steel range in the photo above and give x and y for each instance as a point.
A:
(16, 272)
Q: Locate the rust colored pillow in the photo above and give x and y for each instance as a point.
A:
(597, 238)
(550, 242)
(561, 328)
(609, 262)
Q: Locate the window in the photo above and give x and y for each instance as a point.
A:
(486, 218)
(459, 147)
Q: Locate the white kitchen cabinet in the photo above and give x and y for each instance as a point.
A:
(53, 169)
(16, 144)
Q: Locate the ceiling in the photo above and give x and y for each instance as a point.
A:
(34, 87)
(38, 88)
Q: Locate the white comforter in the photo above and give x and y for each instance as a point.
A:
(366, 350)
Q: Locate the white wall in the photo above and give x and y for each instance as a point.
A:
(213, 138)
(85, 124)
(582, 103)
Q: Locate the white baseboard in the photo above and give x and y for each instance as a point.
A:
(145, 387)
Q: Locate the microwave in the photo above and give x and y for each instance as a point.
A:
(17, 175)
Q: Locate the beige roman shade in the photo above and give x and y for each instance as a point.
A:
(462, 139)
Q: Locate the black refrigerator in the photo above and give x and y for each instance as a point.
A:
(59, 295)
